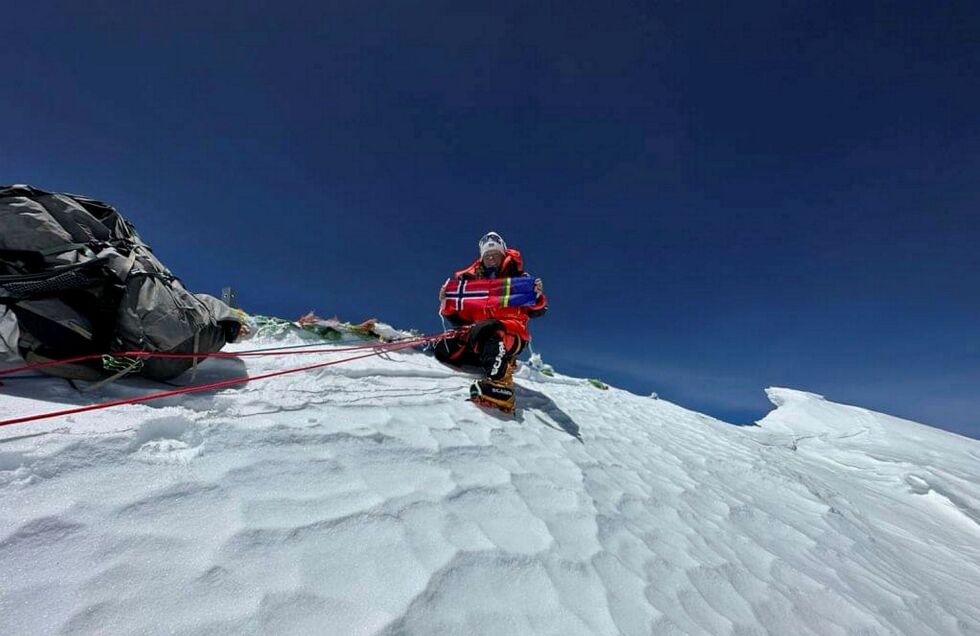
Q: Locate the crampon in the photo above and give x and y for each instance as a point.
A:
(493, 394)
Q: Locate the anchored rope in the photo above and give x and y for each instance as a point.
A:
(284, 351)
(378, 349)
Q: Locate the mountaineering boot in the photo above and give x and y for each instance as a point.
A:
(497, 393)
(493, 393)
(508, 377)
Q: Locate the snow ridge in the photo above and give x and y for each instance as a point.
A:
(372, 499)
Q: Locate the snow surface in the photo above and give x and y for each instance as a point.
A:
(370, 498)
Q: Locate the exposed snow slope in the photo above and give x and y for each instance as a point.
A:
(371, 498)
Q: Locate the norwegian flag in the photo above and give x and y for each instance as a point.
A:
(495, 292)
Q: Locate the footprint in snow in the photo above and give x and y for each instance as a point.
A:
(917, 485)
(167, 440)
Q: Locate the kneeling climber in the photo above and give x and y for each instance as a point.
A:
(496, 314)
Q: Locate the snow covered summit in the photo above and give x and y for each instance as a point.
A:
(370, 498)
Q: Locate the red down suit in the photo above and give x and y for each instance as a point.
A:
(513, 319)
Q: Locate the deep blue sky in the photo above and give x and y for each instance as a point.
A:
(719, 197)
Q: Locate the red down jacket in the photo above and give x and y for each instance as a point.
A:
(514, 319)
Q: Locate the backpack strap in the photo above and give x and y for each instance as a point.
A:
(67, 247)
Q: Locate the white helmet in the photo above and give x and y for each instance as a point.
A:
(492, 241)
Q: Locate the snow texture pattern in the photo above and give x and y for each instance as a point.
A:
(371, 498)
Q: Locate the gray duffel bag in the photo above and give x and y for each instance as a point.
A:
(81, 281)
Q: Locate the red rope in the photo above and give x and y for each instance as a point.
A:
(379, 349)
(219, 354)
